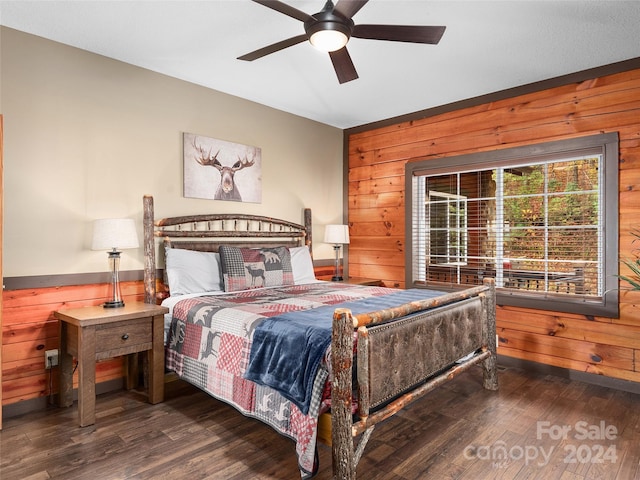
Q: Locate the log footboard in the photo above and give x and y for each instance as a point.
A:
(402, 354)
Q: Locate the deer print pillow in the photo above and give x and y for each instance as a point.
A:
(245, 268)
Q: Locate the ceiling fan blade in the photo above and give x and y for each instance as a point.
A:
(348, 8)
(400, 33)
(286, 9)
(345, 70)
(275, 47)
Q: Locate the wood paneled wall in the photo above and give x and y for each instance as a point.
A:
(376, 206)
(29, 329)
(376, 203)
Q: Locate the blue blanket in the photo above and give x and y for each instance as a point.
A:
(287, 349)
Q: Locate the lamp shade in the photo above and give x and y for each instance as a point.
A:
(114, 233)
(336, 234)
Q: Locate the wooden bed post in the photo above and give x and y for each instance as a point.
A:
(308, 241)
(490, 365)
(149, 251)
(342, 364)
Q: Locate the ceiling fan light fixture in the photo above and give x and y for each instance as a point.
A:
(328, 40)
(327, 31)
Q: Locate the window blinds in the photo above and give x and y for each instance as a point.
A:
(533, 226)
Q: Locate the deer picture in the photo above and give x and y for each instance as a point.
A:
(227, 190)
(212, 346)
(255, 274)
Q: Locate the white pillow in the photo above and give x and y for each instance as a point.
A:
(302, 265)
(189, 271)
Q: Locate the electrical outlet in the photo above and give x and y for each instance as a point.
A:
(50, 358)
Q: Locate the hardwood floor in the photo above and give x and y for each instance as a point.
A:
(456, 432)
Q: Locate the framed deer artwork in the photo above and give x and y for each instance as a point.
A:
(220, 170)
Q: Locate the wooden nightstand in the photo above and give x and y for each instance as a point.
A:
(98, 333)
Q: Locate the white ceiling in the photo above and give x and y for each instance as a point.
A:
(488, 46)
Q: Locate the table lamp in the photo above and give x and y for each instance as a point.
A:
(114, 234)
(338, 235)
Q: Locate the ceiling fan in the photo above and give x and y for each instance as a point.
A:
(330, 29)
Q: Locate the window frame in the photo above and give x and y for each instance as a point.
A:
(608, 145)
(461, 245)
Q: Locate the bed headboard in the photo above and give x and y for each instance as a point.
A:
(208, 231)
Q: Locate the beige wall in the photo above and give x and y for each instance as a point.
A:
(86, 137)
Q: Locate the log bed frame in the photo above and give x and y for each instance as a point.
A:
(402, 352)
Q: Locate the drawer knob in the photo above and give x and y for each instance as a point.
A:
(125, 336)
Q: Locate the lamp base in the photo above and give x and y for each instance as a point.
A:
(116, 304)
(336, 279)
(114, 286)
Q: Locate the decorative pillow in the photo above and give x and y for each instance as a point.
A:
(302, 265)
(190, 271)
(245, 268)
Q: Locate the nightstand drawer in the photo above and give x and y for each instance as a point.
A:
(122, 338)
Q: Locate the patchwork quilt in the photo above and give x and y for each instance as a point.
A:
(210, 344)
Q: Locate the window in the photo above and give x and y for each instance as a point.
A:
(447, 233)
(541, 220)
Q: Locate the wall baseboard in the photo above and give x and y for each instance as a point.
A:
(591, 378)
(42, 403)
